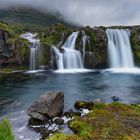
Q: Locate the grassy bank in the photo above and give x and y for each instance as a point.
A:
(114, 121)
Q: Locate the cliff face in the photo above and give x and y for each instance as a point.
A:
(96, 52)
(98, 46)
(135, 42)
(95, 48)
(13, 49)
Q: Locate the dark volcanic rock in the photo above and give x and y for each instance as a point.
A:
(59, 121)
(115, 98)
(33, 122)
(48, 106)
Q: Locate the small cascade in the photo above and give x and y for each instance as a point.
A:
(119, 48)
(59, 58)
(36, 50)
(85, 41)
(69, 58)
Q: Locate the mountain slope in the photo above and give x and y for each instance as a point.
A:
(29, 17)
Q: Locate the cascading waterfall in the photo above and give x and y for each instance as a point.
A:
(119, 48)
(36, 51)
(69, 58)
(35, 56)
(59, 58)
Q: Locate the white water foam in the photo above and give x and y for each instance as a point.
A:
(74, 71)
(123, 70)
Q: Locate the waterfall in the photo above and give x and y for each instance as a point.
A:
(36, 54)
(70, 58)
(119, 48)
(36, 50)
(85, 41)
(59, 58)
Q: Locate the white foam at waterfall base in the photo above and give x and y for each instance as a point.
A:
(73, 71)
(134, 70)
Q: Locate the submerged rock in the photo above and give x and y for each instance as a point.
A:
(48, 106)
(115, 98)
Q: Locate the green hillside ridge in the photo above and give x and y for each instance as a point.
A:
(29, 17)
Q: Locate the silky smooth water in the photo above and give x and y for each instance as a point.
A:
(119, 48)
(70, 58)
(23, 89)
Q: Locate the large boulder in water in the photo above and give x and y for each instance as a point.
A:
(48, 106)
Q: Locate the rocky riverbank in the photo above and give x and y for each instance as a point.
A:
(90, 120)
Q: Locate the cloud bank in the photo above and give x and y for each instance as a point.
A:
(86, 12)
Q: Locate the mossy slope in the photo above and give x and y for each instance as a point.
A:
(114, 121)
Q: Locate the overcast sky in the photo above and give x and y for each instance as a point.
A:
(86, 12)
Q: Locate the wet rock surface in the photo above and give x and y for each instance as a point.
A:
(48, 106)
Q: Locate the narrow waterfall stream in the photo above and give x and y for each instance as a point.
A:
(119, 49)
(70, 58)
(35, 50)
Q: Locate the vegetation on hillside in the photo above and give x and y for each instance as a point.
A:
(29, 17)
(15, 50)
(135, 41)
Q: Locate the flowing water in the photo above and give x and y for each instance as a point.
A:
(20, 90)
(119, 49)
(36, 51)
(70, 58)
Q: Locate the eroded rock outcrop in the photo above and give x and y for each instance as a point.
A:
(48, 106)
(13, 49)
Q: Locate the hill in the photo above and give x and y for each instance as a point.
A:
(27, 16)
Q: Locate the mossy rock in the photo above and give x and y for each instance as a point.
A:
(84, 105)
(54, 34)
(135, 42)
(61, 136)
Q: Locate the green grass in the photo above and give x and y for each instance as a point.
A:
(6, 130)
(114, 121)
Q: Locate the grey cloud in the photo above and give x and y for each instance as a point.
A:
(86, 12)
